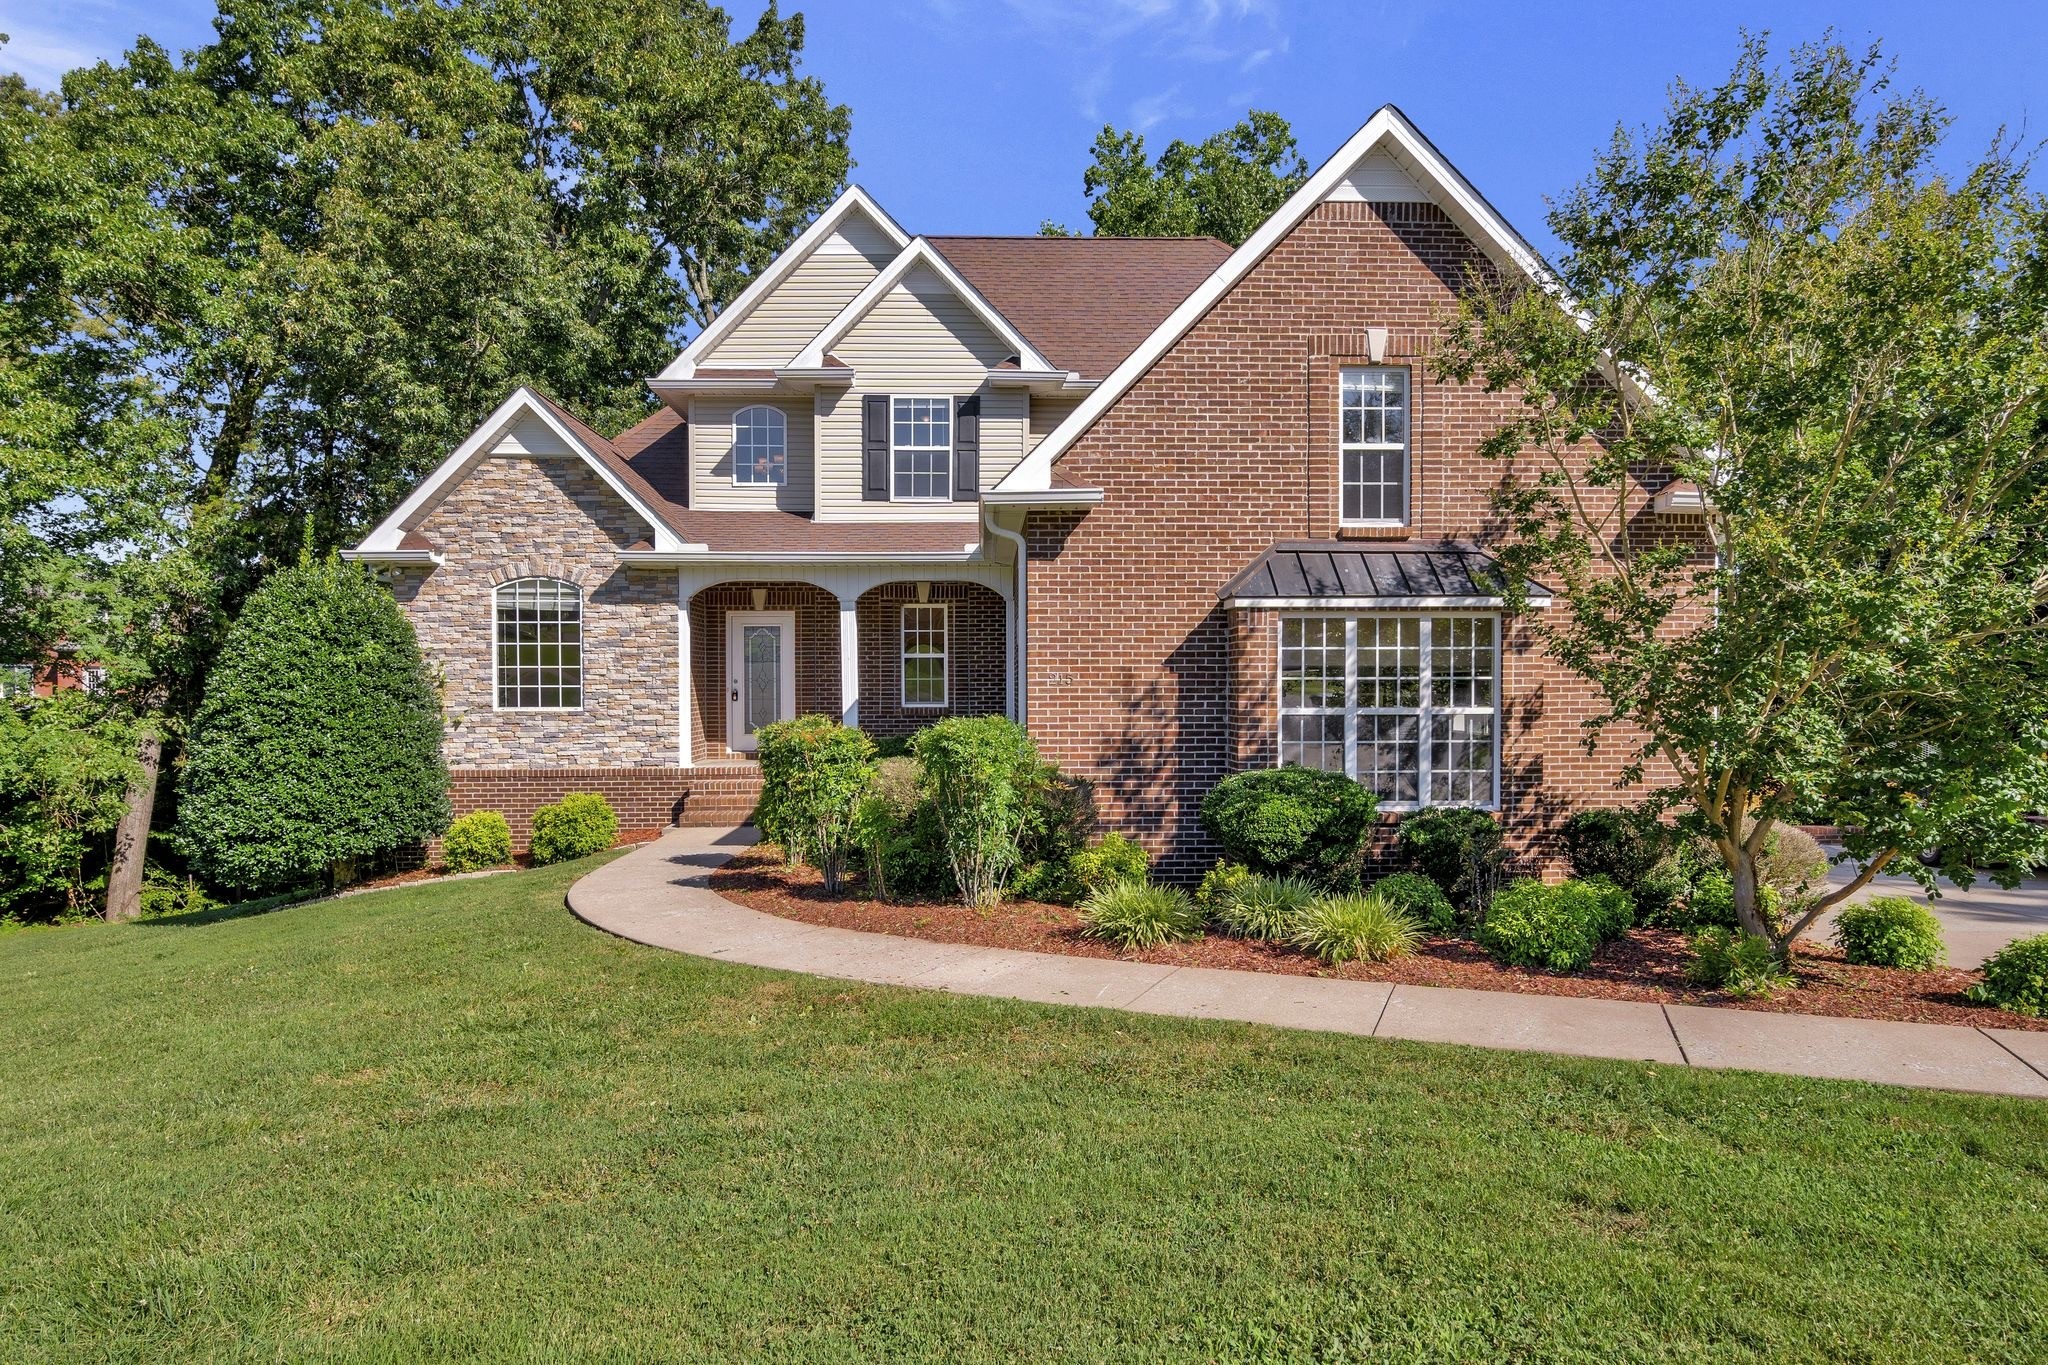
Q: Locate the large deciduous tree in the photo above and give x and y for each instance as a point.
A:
(1223, 186)
(249, 294)
(1777, 294)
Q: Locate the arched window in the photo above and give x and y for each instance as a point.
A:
(539, 645)
(760, 446)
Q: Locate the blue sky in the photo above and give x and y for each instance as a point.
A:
(976, 115)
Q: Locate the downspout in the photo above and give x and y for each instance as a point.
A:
(1019, 603)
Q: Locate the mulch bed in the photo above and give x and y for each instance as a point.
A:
(627, 838)
(1645, 964)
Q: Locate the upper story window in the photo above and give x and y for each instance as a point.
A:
(539, 661)
(760, 446)
(1372, 444)
(921, 448)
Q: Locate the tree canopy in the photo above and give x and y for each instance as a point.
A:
(1779, 295)
(1223, 186)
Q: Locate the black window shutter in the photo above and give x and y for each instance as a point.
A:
(967, 449)
(874, 447)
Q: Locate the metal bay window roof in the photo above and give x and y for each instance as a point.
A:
(1330, 574)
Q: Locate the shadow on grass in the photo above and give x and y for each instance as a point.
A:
(196, 919)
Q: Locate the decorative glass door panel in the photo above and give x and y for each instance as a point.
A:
(760, 674)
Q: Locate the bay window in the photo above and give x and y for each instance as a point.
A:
(1407, 705)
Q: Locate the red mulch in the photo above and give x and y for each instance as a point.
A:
(1645, 964)
(627, 838)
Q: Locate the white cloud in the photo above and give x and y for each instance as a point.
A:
(45, 41)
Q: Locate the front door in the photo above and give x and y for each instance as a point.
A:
(760, 673)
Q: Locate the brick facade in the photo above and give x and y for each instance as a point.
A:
(1139, 677)
(817, 655)
(974, 656)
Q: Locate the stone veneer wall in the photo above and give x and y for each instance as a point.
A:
(553, 518)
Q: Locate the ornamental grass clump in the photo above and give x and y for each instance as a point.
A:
(1267, 907)
(1135, 916)
(1361, 928)
(2016, 978)
(1889, 931)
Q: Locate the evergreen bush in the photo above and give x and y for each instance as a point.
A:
(580, 824)
(477, 840)
(1290, 821)
(318, 740)
(814, 774)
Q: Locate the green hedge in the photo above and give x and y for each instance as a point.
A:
(478, 840)
(580, 824)
(1291, 822)
(1889, 931)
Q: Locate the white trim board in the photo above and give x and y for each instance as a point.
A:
(1387, 132)
(921, 252)
(522, 402)
(855, 199)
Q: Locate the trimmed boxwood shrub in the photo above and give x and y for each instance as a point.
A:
(1622, 845)
(2016, 978)
(318, 741)
(1134, 915)
(1290, 821)
(1267, 907)
(1889, 931)
(577, 826)
(1421, 899)
(478, 840)
(1110, 860)
(1460, 849)
(981, 775)
(1555, 928)
(814, 772)
(1362, 928)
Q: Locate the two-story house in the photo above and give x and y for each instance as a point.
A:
(1178, 508)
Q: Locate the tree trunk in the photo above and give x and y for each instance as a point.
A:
(131, 836)
(1749, 909)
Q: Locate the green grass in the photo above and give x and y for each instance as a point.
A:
(451, 1121)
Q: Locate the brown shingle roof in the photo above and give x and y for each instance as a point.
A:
(1084, 302)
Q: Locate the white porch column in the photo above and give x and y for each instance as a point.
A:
(849, 659)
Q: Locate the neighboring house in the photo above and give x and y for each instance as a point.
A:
(58, 672)
(1249, 510)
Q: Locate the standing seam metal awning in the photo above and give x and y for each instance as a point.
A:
(1376, 574)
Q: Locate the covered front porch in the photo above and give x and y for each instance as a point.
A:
(889, 648)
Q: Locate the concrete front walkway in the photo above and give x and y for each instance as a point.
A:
(658, 895)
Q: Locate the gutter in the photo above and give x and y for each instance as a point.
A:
(665, 558)
(1019, 606)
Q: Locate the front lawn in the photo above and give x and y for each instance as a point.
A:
(451, 1121)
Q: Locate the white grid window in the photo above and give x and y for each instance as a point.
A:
(760, 446)
(539, 645)
(1407, 705)
(17, 680)
(1372, 444)
(921, 448)
(924, 654)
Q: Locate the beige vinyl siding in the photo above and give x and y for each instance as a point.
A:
(1047, 412)
(711, 482)
(918, 340)
(783, 323)
(531, 436)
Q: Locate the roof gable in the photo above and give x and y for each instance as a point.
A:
(534, 426)
(1387, 143)
(922, 268)
(866, 229)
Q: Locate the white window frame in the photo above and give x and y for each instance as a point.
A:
(1406, 446)
(779, 428)
(1425, 711)
(17, 680)
(944, 656)
(497, 645)
(945, 451)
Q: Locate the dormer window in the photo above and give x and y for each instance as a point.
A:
(760, 446)
(1372, 446)
(921, 448)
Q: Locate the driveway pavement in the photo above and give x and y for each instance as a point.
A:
(1977, 922)
(659, 895)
